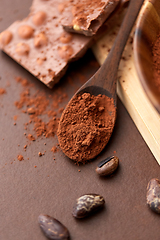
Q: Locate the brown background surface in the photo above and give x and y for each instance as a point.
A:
(52, 187)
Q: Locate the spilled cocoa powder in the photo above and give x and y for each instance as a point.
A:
(86, 126)
(20, 157)
(156, 62)
(38, 106)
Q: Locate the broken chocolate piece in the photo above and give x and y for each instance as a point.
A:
(86, 16)
(41, 45)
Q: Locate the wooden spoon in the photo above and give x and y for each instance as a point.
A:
(104, 80)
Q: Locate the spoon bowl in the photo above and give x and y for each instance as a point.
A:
(103, 83)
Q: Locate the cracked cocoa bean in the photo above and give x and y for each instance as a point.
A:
(153, 195)
(87, 204)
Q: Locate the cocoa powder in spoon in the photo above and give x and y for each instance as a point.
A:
(86, 126)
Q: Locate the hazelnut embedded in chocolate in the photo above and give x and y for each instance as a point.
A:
(40, 40)
(65, 52)
(61, 7)
(40, 61)
(25, 31)
(76, 27)
(22, 48)
(5, 37)
(39, 18)
(51, 73)
(65, 37)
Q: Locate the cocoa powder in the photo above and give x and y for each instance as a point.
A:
(156, 63)
(38, 107)
(20, 157)
(86, 126)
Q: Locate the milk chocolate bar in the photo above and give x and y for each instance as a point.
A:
(86, 16)
(41, 45)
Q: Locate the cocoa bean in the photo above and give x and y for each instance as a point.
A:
(52, 228)
(153, 195)
(107, 166)
(87, 204)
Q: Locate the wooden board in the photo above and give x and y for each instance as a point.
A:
(131, 93)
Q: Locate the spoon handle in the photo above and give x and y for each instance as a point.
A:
(110, 65)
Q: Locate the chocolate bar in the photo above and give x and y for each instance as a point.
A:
(41, 45)
(86, 16)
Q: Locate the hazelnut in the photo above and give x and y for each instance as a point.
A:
(40, 40)
(65, 37)
(41, 60)
(22, 48)
(61, 7)
(79, 21)
(5, 37)
(76, 27)
(39, 18)
(25, 31)
(65, 52)
(51, 73)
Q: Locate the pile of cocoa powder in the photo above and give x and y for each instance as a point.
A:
(156, 63)
(86, 126)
